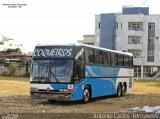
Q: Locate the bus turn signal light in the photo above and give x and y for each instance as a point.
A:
(69, 90)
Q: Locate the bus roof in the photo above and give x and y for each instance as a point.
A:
(104, 49)
(90, 46)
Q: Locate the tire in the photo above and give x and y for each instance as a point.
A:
(86, 95)
(51, 101)
(119, 90)
(123, 90)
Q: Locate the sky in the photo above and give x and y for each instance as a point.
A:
(58, 21)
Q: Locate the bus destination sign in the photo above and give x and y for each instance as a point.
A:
(53, 52)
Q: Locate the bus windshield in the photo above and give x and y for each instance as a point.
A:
(48, 71)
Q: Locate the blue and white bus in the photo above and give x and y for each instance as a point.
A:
(79, 72)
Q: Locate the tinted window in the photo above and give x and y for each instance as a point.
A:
(99, 57)
(78, 71)
(130, 61)
(89, 56)
(114, 59)
(120, 60)
(107, 58)
(126, 61)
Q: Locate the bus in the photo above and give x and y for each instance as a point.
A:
(79, 72)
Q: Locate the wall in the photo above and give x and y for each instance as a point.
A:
(136, 10)
(107, 31)
(20, 71)
(122, 37)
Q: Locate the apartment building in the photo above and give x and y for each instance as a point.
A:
(134, 30)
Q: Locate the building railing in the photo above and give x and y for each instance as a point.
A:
(136, 29)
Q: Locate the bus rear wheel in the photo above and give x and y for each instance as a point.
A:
(119, 90)
(86, 94)
(123, 90)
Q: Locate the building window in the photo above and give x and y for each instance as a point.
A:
(150, 59)
(136, 53)
(118, 25)
(151, 40)
(150, 52)
(99, 25)
(137, 71)
(135, 26)
(151, 26)
(134, 40)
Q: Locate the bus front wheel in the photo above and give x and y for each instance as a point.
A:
(86, 94)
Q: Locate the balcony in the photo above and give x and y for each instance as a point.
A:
(137, 61)
(135, 32)
(135, 46)
(135, 28)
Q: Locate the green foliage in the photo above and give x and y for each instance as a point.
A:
(12, 68)
(10, 51)
(5, 73)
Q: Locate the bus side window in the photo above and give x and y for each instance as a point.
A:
(130, 61)
(114, 59)
(99, 57)
(89, 56)
(126, 61)
(78, 71)
(120, 60)
(107, 58)
(86, 56)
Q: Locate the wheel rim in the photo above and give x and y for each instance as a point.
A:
(86, 95)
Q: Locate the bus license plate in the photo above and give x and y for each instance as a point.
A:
(49, 95)
(52, 96)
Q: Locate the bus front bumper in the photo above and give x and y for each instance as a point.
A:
(52, 96)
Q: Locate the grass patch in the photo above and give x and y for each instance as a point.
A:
(150, 83)
(20, 86)
(11, 86)
(146, 87)
(14, 78)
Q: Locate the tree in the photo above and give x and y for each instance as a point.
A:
(12, 68)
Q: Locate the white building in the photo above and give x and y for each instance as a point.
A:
(7, 43)
(87, 39)
(135, 31)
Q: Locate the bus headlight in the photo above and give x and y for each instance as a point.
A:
(33, 89)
